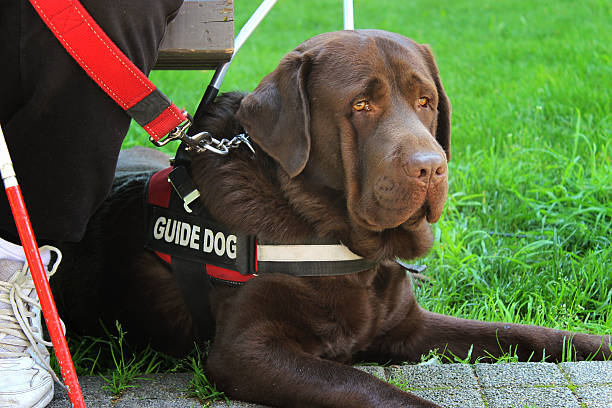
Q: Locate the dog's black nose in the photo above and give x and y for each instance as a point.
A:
(427, 166)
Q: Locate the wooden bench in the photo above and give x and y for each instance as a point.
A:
(200, 37)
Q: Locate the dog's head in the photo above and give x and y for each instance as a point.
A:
(361, 112)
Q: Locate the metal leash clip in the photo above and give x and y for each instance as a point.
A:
(179, 133)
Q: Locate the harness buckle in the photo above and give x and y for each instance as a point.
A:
(190, 198)
(184, 186)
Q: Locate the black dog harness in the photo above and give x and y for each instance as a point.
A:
(202, 252)
(179, 227)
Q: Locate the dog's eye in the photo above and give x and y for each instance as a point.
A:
(423, 101)
(361, 105)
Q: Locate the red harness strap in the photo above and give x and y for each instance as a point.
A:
(104, 62)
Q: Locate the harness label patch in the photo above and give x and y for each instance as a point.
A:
(199, 240)
(188, 235)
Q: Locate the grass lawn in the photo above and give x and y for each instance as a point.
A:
(526, 233)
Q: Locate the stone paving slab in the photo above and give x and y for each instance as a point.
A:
(588, 372)
(519, 374)
(453, 397)
(595, 396)
(434, 376)
(449, 385)
(510, 385)
(540, 397)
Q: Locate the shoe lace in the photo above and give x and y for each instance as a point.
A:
(17, 335)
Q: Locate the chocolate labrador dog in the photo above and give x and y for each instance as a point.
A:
(351, 136)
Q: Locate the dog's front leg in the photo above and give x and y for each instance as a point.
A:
(422, 331)
(278, 372)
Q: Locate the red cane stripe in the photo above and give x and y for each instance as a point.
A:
(30, 247)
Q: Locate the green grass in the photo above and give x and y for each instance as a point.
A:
(113, 359)
(525, 236)
(200, 387)
(126, 367)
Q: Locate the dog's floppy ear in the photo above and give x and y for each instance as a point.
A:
(277, 114)
(443, 127)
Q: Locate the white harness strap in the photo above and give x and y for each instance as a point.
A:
(305, 253)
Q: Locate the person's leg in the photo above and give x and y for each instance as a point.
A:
(64, 136)
(63, 132)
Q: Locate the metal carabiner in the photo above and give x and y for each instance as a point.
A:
(179, 133)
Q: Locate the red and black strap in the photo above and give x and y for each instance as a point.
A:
(106, 64)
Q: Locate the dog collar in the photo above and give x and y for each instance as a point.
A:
(179, 227)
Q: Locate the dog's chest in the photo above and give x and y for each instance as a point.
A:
(344, 320)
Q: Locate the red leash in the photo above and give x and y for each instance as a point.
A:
(104, 62)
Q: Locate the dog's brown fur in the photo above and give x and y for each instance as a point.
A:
(373, 179)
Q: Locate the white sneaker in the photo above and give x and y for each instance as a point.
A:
(26, 377)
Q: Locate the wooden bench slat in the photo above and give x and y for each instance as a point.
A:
(200, 37)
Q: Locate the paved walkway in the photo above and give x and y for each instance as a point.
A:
(510, 385)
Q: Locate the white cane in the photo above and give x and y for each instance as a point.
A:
(28, 241)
